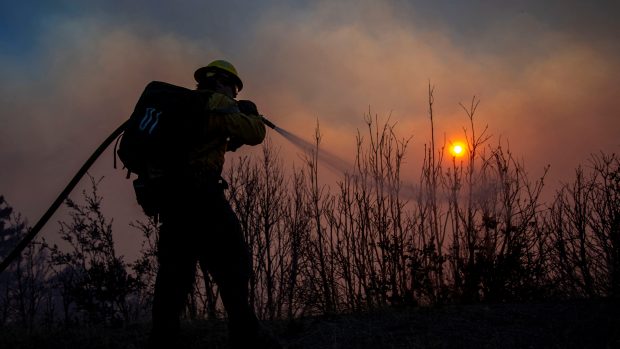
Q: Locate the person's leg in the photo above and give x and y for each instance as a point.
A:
(227, 260)
(175, 278)
(225, 255)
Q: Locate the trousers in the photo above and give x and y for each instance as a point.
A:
(204, 231)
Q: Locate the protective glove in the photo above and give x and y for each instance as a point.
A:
(247, 107)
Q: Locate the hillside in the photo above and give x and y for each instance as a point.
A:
(574, 324)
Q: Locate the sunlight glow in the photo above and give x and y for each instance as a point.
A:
(457, 149)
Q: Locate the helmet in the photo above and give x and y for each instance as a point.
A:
(218, 66)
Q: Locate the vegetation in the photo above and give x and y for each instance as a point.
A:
(467, 232)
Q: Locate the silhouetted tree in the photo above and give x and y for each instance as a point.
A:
(584, 224)
(90, 274)
(145, 268)
(23, 285)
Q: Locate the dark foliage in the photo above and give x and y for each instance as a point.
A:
(466, 231)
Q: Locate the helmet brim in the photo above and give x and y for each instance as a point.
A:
(200, 75)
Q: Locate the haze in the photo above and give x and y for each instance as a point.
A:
(547, 77)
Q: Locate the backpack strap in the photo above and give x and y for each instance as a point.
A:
(118, 139)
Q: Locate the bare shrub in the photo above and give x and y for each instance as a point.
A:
(91, 277)
(584, 224)
(24, 288)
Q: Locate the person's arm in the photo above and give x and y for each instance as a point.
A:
(238, 127)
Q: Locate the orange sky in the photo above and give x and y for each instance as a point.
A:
(547, 79)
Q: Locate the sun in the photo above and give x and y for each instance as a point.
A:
(457, 149)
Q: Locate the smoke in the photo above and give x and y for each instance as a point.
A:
(548, 84)
(549, 96)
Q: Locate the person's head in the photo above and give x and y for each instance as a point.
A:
(220, 76)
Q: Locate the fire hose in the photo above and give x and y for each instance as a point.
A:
(16, 252)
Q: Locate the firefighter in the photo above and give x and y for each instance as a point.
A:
(198, 225)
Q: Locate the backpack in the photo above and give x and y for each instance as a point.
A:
(154, 138)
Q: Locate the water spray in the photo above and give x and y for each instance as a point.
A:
(339, 165)
(329, 159)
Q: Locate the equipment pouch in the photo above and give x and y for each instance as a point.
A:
(148, 195)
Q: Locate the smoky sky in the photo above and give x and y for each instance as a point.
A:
(545, 72)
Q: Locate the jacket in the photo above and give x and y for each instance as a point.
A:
(223, 128)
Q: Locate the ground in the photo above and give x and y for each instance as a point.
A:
(585, 324)
(569, 324)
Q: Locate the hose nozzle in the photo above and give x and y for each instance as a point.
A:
(268, 123)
